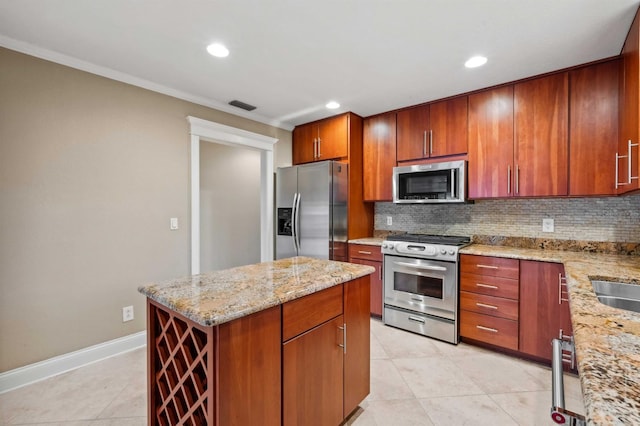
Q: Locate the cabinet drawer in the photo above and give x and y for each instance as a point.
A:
(491, 286)
(493, 330)
(488, 265)
(310, 311)
(489, 305)
(366, 252)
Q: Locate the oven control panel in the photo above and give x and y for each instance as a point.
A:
(420, 250)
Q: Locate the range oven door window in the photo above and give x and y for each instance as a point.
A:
(426, 286)
(418, 284)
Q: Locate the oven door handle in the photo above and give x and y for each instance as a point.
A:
(425, 267)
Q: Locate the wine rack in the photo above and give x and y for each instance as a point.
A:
(181, 370)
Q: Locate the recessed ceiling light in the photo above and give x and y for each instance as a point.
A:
(332, 105)
(475, 61)
(218, 50)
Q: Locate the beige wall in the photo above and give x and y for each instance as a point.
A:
(91, 170)
(229, 206)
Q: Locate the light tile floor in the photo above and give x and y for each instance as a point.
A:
(414, 381)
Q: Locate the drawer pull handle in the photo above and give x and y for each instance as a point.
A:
(493, 330)
(495, 287)
(364, 252)
(482, 305)
(487, 266)
(416, 319)
(417, 299)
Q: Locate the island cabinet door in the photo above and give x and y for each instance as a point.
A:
(249, 370)
(312, 370)
(356, 352)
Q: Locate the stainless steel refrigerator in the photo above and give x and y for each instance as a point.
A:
(311, 210)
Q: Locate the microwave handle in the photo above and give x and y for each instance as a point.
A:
(453, 184)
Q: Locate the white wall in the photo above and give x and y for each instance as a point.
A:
(229, 206)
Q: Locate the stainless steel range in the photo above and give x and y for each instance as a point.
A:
(421, 284)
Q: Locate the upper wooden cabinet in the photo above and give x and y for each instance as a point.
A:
(321, 140)
(541, 126)
(491, 143)
(518, 139)
(379, 145)
(593, 131)
(628, 156)
(434, 130)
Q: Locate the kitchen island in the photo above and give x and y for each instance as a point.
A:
(282, 342)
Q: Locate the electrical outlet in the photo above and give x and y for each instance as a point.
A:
(127, 313)
(547, 225)
(174, 223)
(389, 220)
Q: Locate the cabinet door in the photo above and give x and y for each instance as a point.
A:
(375, 305)
(413, 133)
(630, 110)
(356, 353)
(379, 156)
(544, 307)
(491, 143)
(303, 145)
(541, 112)
(312, 369)
(250, 377)
(593, 133)
(449, 129)
(333, 138)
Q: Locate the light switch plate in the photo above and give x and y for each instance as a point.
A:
(389, 220)
(174, 223)
(547, 225)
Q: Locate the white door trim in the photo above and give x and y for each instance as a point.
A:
(211, 131)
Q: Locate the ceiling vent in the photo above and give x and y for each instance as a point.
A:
(239, 104)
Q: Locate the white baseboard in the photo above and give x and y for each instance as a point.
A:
(32, 373)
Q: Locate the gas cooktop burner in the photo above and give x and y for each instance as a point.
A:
(430, 239)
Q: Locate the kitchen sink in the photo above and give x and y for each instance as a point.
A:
(618, 295)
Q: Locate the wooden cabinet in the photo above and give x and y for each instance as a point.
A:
(628, 157)
(356, 352)
(518, 139)
(321, 140)
(544, 307)
(372, 256)
(489, 300)
(312, 376)
(325, 354)
(379, 145)
(491, 143)
(593, 132)
(541, 119)
(434, 130)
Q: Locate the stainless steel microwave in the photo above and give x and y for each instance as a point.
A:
(430, 183)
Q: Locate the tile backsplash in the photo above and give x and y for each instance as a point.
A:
(594, 219)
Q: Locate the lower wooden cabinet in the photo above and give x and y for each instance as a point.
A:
(325, 365)
(372, 256)
(520, 305)
(544, 307)
(489, 329)
(312, 376)
(489, 300)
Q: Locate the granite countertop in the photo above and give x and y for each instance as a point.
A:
(217, 297)
(607, 340)
(371, 241)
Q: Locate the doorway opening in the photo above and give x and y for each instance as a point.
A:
(210, 131)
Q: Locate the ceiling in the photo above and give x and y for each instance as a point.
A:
(290, 57)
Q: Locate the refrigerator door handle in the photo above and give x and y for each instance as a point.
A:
(293, 222)
(296, 226)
